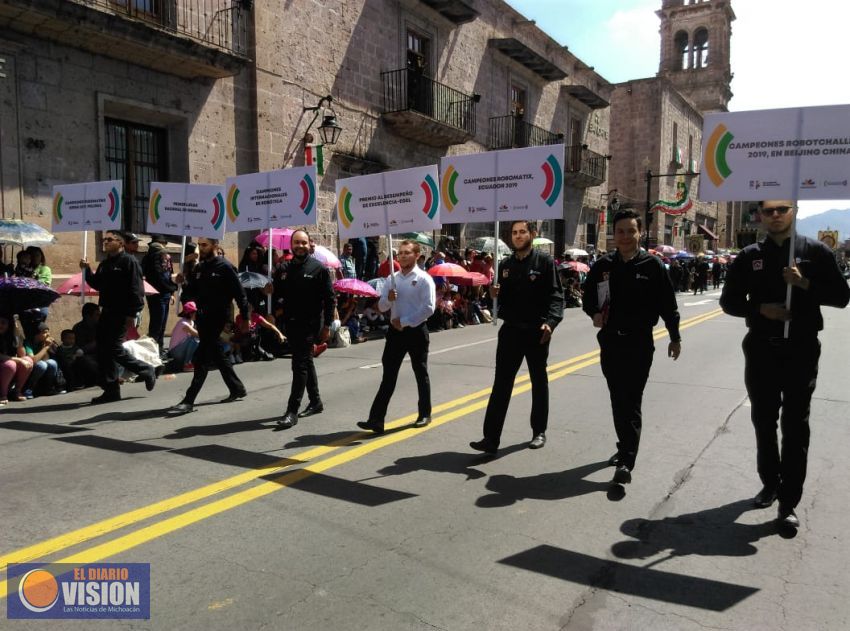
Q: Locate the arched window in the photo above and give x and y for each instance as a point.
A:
(701, 48)
(680, 43)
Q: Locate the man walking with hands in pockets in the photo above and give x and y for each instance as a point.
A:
(410, 296)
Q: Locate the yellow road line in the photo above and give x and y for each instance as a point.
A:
(103, 527)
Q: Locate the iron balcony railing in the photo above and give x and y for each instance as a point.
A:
(411, 90)
(583, 162)
(219, 23)
(511, 131)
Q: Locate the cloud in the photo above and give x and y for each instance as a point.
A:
(632, 35)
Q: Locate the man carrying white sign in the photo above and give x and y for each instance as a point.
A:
(781, 371)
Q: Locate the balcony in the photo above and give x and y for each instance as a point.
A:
(585, 168)
(419, 108)
(509, 132)
(186, 38)
(456, 11)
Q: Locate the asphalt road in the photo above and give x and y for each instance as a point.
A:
(325, 527)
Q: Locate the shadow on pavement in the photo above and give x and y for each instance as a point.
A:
(41, 428)
(338, 488)
(507, 489)
(315, 440)
(643, 582)
(221, 429)
(440, 462)
(135, 415)
(111, 444)
(711, 532)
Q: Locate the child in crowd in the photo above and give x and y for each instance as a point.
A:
(67, 355)
(249, 343)
(15, 366)
(184, 338)
(24, 268)
(231, 350)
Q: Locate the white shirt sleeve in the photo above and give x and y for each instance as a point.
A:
(384, 303)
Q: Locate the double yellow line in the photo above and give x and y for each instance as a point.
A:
(459, 407)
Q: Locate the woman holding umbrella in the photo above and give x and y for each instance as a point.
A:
(14, 363)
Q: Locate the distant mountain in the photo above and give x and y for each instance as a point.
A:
(829, 220)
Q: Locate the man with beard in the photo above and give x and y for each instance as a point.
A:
(531, 304)
(119, 281)
(781, 372)
(214, 284)
(303, 287)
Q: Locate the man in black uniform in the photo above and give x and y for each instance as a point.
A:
(214, 284)
(625, 293)
(119, 281)
(303, 287)
(782, 372)
(530, 304)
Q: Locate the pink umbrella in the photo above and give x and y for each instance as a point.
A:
(326, 257)
(448, 269)
(667, 250)
(281, 238)
(355, 288)
(71, 287)
(576, 266)
(472, 279)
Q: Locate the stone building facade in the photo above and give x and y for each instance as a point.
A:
(171, 90)
(656, 124)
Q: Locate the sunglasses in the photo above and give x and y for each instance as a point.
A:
(782, 210)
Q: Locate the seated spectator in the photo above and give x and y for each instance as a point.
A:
(184, 338)
(45, 375)
(71, 359)
(249, 343)
(460, 305)
(41, 272)
(231, 350)
(15, 366)
(374, 318)
(445, 307)
(85, 338)
(24, 268)
(351, 319)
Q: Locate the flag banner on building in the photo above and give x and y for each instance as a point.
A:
(388, 203)
(186, 210)
(87, 206)
(500, 185)
(274, 199)
(679, 206)
(794, 153)
(314, 155)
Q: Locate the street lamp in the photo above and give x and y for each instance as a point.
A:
(330, 128)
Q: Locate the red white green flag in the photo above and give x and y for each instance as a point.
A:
(314, 155)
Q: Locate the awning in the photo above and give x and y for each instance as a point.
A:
(523, 54)
(457, 11)
(704, 229)
(587, 96)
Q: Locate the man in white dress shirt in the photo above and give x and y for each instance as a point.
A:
(410, 296)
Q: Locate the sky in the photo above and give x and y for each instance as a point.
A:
(785, 53)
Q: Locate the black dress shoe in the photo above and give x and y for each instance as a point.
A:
(484, 445)
(378, 428)
(787, 517)
(538, 441)
(614, 460)
(181, 408)
(422, 421)
(765, 497)
(106, 397)
(234, 397)
(290, 419)
(150, 379)
(623, 475)
(311, 409)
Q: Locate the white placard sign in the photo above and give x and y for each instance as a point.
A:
(87, 206)
(388, 203)
(186, 210)
(500, 185)
(273, 199)
(795, 153)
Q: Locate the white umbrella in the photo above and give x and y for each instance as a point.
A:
(576, 252)
(24, 233)
(542, 241)
(487, 244)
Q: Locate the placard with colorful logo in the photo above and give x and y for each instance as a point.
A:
(186, 210)
(274, 199)
(499, 185)
(78, 591)
(87, 206)
(388, 203)
(794, 153)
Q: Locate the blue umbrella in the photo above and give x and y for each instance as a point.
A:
(24, 233)
(684, 255)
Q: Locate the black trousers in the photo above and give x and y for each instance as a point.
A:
(625, 361)
(158, 306)
(413, 341)
(782, 376)
(516, 344)
(302, 337)
(210, 351)
(110, 352)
